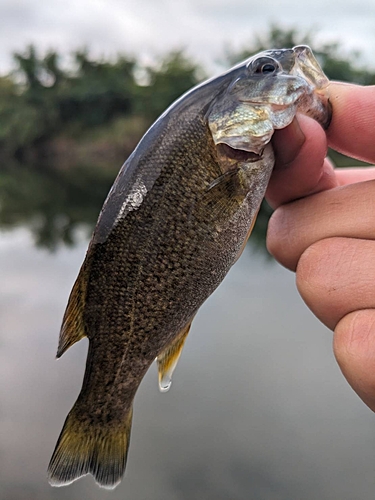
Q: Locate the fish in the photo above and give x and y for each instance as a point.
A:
(175, 221)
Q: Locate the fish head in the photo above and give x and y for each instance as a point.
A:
(265, 94)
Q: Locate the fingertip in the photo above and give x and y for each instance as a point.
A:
(353, 175)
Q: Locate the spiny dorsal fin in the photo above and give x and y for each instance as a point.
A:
(168, 359)
(73, 328)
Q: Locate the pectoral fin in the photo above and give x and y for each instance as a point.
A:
(168, 359)
(221, 198)
(228, 190)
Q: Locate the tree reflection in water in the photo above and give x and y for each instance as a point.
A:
(54, 204)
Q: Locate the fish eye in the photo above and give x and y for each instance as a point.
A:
(264, 66)
(268, 68)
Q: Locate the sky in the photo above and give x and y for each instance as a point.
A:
(150, 28)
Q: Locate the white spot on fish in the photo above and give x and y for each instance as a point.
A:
(133, 200)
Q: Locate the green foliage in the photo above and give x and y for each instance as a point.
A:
(31, 68)
(40, 99)
(98, 91)
(54, 204)
(276, 37)
(174, 75)
(345, 70)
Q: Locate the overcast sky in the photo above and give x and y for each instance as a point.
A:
(151, 27)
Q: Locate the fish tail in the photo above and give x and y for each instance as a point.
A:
(87, 448)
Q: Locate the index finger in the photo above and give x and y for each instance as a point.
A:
(351, 131)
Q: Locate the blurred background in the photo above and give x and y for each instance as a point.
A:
(258, 407)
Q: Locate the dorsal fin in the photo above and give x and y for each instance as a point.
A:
(73, 328)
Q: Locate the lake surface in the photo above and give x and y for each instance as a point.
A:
(258, 408)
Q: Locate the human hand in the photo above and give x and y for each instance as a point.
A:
(324, 226)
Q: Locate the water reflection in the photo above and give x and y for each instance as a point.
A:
(258, 408)
(53, 203)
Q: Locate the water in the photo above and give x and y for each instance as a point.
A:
(258, 408)
(165, 382)
(167, 361)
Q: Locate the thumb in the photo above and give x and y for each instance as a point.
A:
(354, 347)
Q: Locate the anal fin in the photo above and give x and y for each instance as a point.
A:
(167, 360)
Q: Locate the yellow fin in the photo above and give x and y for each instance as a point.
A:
(168, 359)
(87, 448)
(73, 328)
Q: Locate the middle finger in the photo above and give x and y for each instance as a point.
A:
(346, 211)
(336, 276)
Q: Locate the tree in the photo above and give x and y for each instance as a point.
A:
(168, 80)
(99, 90)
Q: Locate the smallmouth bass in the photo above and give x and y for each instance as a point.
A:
(175, 221)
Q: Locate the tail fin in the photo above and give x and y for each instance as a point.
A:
(87, 448)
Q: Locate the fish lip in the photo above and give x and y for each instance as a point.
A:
(306, 64)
